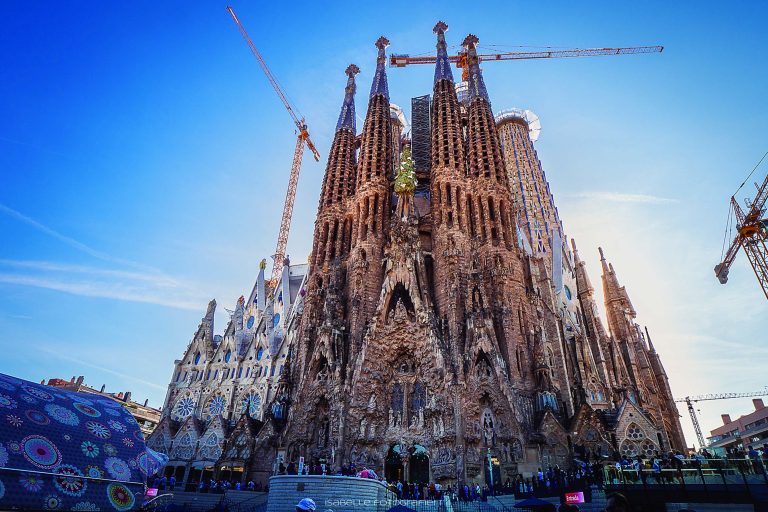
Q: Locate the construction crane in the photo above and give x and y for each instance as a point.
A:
(298, 154)
(400, 61)
(751, 234)
(689, 400)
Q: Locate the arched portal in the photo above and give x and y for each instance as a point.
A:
(393, 464)
(418, 465)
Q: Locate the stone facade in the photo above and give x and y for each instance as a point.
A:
(216, 399)
(444, 326)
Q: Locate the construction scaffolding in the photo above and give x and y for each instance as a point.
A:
(420, 133)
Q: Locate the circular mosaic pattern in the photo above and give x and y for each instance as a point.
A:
(40, 452)
(8, 387)
(69, 480)
(62, 415)
(127, 441)
(52, 502)
(81, 400)
(36, 417)
(98, 429)
(112, 412)
(94, 472)
(29, 399)
(120, 497)
(110, 449)
(6, 402)
(38, 393)
(118, 468)
(86, 409)
(31, 482)
(89, 449)
(217, 405)
(183, 408)
(117, 426)
(3, 456)
(14, 420)
(14, 447)
(85, 506)
(110, 403)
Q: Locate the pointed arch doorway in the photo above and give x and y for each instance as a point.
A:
(393, 464)
(418, 465)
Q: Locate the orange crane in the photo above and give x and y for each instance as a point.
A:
(400, 61)
(751, 234)
(298, 153)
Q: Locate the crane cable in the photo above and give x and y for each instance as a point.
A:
(750, 174)
(729, 220)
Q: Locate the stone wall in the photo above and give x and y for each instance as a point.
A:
(337, 493)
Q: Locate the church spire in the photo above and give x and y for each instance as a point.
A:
(347, 115)
(476, 84)
(442, 65)
(379, 86)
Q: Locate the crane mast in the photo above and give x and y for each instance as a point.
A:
(302, 139)
(751, 234)
(689, 400)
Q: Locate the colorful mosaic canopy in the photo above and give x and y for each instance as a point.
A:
(69, 451)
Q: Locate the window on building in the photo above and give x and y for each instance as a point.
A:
(239, 372)
(227, 356)
(215, 374)
(272, 374)
(259, 353)
(208, 375)
(197, 357)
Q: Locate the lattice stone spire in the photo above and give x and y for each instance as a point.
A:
(379, 86)
(442, 66)
(476, 84)
(347, 115)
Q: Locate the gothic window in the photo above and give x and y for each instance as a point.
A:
(483, 367)
(227, 356)
(197, 357)
(396, 405)
(418, 401)
(634, 432)
(183, 408)
(216, 406)
(259, 354)
(251, 403)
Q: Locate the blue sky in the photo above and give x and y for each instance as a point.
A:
(144, 160)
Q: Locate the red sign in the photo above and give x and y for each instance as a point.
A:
(574, 497)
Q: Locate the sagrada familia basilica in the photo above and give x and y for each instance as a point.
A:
(443, 330)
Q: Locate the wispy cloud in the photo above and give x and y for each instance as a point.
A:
(620, 197)
(78, 360)
(71, 242)
(118, 290)
(141, 283)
